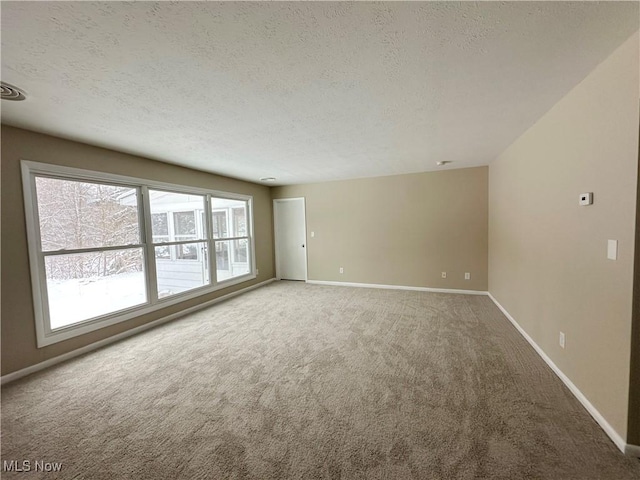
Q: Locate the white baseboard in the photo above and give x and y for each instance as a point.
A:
(632, 450)
(397, 287)
(609, 430)
(628, 449)
(101, 343)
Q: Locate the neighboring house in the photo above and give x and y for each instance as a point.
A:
(178, 217)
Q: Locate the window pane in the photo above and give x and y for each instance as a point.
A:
(181, 215)
(160, 227)
(163, 252)
(231, 259)
(229, 218)
(85, 215)
(240, 252)
(185, 268)
(87, 285)
(187, 251)
(220, 224)
(239, 222)
(184, 223)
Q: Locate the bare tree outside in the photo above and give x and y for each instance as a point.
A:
(93, 253)
(76, 216)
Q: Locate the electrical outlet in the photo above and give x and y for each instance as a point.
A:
(341, 270)
(313, 234)
(586, 198)
(561, 340)
(257, 272)
(444, 274)
(467, 276)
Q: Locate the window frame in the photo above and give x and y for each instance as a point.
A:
(172, 243)
(44, 335)
(231, 236)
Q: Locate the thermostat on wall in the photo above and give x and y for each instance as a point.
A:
(586, 198)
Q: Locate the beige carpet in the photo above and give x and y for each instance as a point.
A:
(306, 381)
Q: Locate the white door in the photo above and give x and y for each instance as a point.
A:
(291, 239)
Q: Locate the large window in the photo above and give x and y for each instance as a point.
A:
(105, 248)
(91, 249)
(231, 237)
(180, 248)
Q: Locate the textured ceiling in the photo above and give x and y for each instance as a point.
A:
(301, 91)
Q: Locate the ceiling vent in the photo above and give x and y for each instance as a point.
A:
(9, 92)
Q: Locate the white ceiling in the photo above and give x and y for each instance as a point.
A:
(303, 92)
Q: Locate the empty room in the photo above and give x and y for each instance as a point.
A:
(357, 240)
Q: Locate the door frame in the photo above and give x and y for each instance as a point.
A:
(275, 233)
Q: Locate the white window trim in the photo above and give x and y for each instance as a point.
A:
(44, 334)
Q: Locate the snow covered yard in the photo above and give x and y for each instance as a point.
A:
(74, 300)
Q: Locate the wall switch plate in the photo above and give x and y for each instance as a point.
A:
(341, 270)
(586, 198)
(561, 339)
(313, 234)
(612, 249)
(444, 274)
(467, 276)
(257, 272)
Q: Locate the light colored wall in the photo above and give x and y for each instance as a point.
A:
(548, 256)
(398, 230)
(633, 432)
(18, 327)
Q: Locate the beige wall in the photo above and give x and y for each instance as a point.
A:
(398, 230)
(18, 327)
(633, 433)
(548, 256)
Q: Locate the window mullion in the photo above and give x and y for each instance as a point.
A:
(180, 242)
(208, 219)
(74, 251)
(251, 242)
(41, 304)
(172, 235)
(144, 211)
(229, 239)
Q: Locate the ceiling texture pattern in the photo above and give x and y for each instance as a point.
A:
(303, 92)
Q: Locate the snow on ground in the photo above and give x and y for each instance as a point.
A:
(71, 301)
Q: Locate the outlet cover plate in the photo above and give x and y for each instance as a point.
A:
(586, 198)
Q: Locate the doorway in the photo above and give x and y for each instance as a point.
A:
(291, 239)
